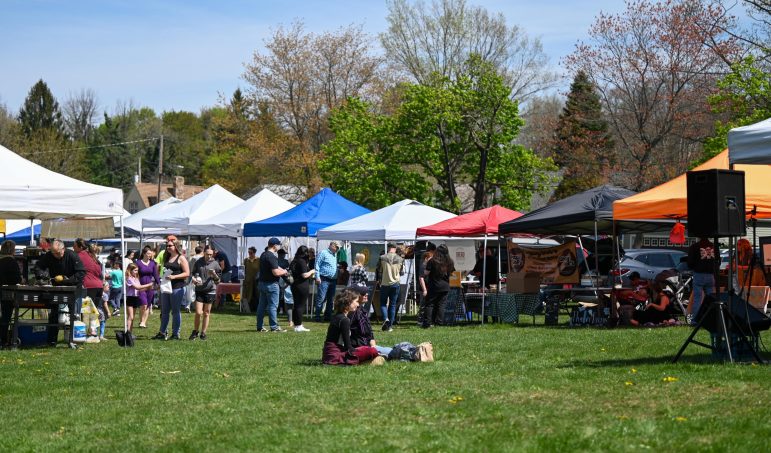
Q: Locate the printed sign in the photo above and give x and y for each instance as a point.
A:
(557, 264)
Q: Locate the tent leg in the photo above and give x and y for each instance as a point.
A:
(484, 277)
(123, 296)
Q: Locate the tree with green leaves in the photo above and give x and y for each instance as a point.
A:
(126, 140)
(449, 133)
(40, 111)
(743, 97)
(364, 164)
(583, 147)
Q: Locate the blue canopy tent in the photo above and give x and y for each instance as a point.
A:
(304, 220)
(22, 236)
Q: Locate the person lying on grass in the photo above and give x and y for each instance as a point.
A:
(361, 329)
(656, 312)
(338, 348)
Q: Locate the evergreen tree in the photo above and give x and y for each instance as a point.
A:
(40, 111)
(583, 146)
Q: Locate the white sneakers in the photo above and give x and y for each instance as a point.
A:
(301, 328)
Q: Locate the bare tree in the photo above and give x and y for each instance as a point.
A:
(439, 38)
(300, 79)
(80, 113)
(654, 66)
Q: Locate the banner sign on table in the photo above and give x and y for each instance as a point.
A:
(557, 264)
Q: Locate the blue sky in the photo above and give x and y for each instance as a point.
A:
(182, 54)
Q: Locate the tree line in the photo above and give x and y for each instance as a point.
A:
(456, 108)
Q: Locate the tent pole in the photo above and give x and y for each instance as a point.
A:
(32, 231)
(123, 296)
(484, 277)
(499, 263)
(596, 260)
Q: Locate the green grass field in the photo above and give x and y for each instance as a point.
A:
(491, 388)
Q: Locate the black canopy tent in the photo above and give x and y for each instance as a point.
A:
(589, 213)
(586, 213)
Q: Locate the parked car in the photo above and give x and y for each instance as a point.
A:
(647, 262)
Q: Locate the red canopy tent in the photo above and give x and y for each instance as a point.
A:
(478, 224)
(474, 224)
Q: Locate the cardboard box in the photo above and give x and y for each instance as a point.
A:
(455, 279)
(522, 283)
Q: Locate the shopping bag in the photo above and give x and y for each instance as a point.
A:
(89, 315)
(425, 352)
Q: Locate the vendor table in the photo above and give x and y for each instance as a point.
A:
(505, 306)
(26, 296)
(226, 288)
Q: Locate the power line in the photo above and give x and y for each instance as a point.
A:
(37, 153)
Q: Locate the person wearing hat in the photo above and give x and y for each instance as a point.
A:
(326, 280)
(270, 273)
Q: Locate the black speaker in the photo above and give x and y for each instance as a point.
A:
(716, 203)
(747, 317)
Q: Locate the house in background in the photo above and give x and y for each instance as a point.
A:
(145, 194)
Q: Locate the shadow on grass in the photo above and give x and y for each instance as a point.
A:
(656, 360)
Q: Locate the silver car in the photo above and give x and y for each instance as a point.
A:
(647, 262)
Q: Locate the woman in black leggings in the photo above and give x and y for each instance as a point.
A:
(301, 287)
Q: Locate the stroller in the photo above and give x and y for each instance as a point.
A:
(679, 288)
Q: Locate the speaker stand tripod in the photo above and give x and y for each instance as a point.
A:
(723, 313)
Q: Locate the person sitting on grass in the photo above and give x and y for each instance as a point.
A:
(361, 329)
(338, 348)
(656, 312)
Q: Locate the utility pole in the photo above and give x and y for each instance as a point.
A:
(139, 168)
(160, 168)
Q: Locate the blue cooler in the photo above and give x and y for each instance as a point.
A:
(32, 332)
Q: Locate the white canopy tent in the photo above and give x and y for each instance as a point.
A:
(211, 201)
(750, 144)
(133, 222)
(230, 222)
(30, 191)
(397, 222)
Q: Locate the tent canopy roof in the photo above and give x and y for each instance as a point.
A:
(473, 224)
(133, 222)
(576, 214)
(669, 201)
(31, 191)
(321, 210)
(750, 144)
(396, 222)
(211, 201)
(231, 222)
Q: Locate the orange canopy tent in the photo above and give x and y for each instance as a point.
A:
(668, 202)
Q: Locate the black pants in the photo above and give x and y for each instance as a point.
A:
(300, 294)
(434, 313)
(5, 321)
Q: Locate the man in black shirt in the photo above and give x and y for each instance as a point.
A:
(222, 258)
(65, 269)
(270, 273)
(490, 271)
